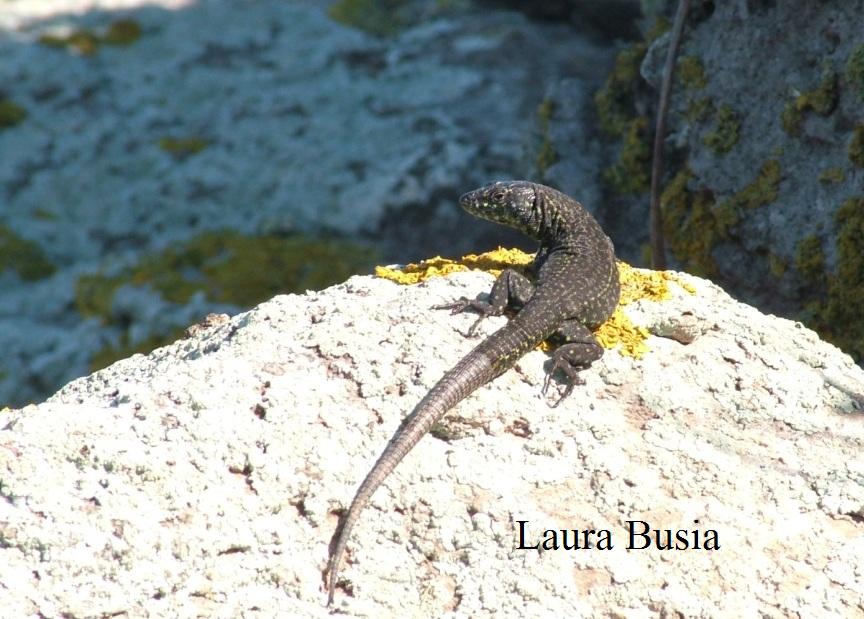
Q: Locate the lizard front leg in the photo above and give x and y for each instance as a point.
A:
(510, 290)
(577, 352)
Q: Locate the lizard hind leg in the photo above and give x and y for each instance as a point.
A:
(511, 290)
(579, 350)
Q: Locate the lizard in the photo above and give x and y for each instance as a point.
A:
(576, 288)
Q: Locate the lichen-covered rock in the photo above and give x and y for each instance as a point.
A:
(764, 148)
(205, 478)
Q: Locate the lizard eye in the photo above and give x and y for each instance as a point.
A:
(498, 196)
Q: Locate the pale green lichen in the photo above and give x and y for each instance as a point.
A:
(699, 110)
(726, 130)
(691, 73)
(227, 267)
(791, 119)
(546, 153)
(183, 147)
(122, 32)
(11, 113)
(836, 315)
(52, 40)
(822, 100)
(230, 268)
(855, 70)
(87, 42)
(615, 101)
(82, 42)
(776, 265)
(832, 175)
(615, 106)
(856, 146)
(810, 258)
(631, 174)
(690, 224)
(618, 115)
(23, 257)
(694, 223)
(378, 17)
(448, 6)
(44, 214)
(762, 190)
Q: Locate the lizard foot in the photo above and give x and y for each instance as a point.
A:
(465, 304)
(571, 359)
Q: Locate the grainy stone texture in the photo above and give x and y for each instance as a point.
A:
(202, 479)
(306, 125)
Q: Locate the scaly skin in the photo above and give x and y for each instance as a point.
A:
(576, 288)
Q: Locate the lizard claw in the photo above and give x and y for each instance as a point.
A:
(574, 380)
(472, 330)
(460, 305)
(571, 367)
(464, 304)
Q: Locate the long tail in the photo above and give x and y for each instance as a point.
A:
(474, 370)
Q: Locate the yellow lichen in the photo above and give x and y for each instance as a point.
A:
(618, 331)
(492, 262)
(636, 284)
(639, 284)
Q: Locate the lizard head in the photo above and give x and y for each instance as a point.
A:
(512, 203)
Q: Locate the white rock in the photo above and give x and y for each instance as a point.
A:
(203, 478)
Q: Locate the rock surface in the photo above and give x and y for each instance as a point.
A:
(204, 478)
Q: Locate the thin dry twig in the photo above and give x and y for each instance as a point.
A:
(658, 245)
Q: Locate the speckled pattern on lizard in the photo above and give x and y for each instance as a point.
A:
(575, 289)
